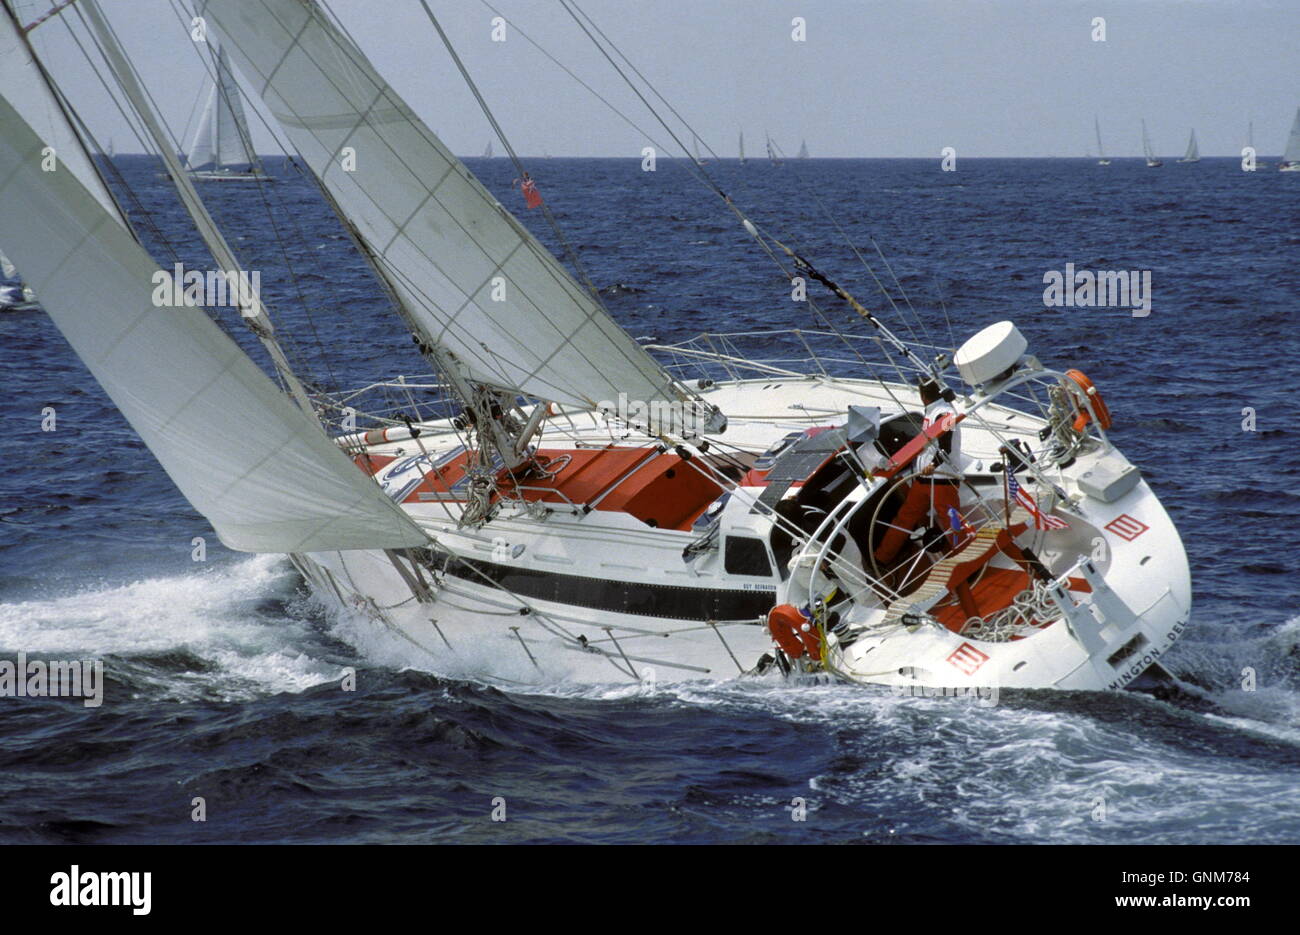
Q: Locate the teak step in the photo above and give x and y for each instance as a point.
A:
(952, 571)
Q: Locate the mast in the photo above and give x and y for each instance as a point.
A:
(742, 147)
(254, 313)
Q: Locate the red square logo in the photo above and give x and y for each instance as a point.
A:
(1126, 527)
(967, 658)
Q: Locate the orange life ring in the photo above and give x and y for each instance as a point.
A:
(1098, 404)
(793, 632)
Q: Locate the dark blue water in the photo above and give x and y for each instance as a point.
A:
(223, 675)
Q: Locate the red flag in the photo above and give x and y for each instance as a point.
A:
(532, 197)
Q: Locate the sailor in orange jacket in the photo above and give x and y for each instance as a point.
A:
(937, 487)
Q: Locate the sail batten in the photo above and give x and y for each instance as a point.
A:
(256, 466)
(471, 277)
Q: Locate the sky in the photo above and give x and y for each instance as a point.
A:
(990, 78)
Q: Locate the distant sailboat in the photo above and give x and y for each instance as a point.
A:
(1291, 158)
(109, 153)
(1101, 153)
(222, 148)
(771, 153)
(1152, 161)
(803, 149)
(13, 296)
(695, 142)
(1250, 144)
(487, 153)
(1193, 153)
(742, 147)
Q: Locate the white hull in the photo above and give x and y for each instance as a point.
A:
(465, 624)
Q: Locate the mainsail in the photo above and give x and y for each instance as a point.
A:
(222, 140)
(1193, 153)
(471, 277)
(742, 147)
(803, 149)
(256, 466)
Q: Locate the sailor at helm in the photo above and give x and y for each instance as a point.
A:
(936, 487)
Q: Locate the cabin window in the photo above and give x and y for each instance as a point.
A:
(747, 556)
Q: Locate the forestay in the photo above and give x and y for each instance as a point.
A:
(255, 465)
(468, 272)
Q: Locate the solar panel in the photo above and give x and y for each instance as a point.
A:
(796, 463)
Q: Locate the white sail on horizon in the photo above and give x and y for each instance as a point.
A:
(1291, 155)
(474, 280)
(1193, 153)
(255, 465)
(1146, 147)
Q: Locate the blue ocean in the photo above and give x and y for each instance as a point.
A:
(223, 675)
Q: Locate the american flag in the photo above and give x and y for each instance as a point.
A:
(1041, 520)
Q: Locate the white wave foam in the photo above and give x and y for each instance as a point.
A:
(215, 614)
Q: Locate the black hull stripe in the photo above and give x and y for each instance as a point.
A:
(624, 597)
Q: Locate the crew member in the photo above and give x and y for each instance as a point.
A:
(936, 487)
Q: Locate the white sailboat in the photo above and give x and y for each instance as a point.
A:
(742, 147)
(772, 157)
(803, 150)
(487, 150)
(695, 150)
(580, 514)
(1152, 161)
(222, 149)
(1291, 155)
(1101, 153)
(1193, 153)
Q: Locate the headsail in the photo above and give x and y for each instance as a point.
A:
(25, 87)
(256, 466)
(468, 273)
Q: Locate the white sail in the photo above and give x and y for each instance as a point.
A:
(1193, 153)
(1146, 147)
(742, 147)
(471, 276)
(25, 88)
(255, 465)
(222, 140)
(1096, 125)
(487, 152)
(1292, 153)
(803, 149)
